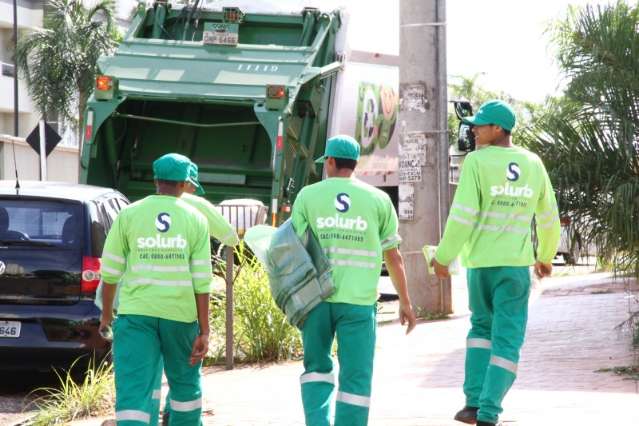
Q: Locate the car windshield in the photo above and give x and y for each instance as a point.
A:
(40, 223)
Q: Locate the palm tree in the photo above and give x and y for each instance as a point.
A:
(589, 139)
(58, 61)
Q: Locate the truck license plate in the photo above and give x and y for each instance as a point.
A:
(220, 33)
(10, 328)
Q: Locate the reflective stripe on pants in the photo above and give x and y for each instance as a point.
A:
(354, 326)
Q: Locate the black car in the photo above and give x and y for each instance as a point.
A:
(51, 239)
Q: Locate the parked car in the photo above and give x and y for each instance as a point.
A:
(51, 240)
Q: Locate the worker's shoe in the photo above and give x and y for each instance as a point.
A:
(482, 423)
(467, 415)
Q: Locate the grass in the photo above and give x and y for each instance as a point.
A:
(630, 373)
(92, 396)
(261, 331)
(423, 314)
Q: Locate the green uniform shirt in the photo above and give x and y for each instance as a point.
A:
(354, 223)
(219, 227)
(158, 249)
(500, 190)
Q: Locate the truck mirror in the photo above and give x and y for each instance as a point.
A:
(465, 138)
(463, 109)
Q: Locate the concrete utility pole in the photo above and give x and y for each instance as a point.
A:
(424, 198)
(16, 125)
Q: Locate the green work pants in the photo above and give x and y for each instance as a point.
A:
(139, 345)
(354, 326)
(499, 305)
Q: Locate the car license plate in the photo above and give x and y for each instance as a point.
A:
(10, 328)
(220, 34)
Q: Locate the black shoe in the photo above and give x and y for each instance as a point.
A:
(467, 415)
(165, 418)
(481, 423)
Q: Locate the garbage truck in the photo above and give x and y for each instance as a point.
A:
(245, 95)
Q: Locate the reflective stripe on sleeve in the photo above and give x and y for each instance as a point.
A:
(159, 268)
(393, 239)
(133, 415)
(545, 215)
(354, 252)
(504, 363)
(112, 271)
(469, 210)
(317, 377)
(114, 258)
(201, 275)
(186, 405)
(462, 220)
(157, 394)
(479, 343)
(547, 225)
(168, 283)
(200, 262)
(352, 399)
(355, 263)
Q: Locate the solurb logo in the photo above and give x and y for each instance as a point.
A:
(513, 172)
(342, 202)
(163, 222)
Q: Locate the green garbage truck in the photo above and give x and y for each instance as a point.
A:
(244, 95)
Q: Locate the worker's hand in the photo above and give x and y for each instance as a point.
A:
(543, 269)
(200, 349)
(407, 316)
(440, 270)
(106, 318)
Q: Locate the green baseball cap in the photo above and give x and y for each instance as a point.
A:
(173, 167)
(193, 178)
(494, 112)
(340, 146)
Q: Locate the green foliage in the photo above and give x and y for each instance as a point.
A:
(262, 332)
(71, 400)
(58, 61)
(589, 139)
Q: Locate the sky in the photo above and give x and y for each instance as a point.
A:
(502, 42)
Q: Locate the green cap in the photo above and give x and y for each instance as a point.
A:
(494, 112)
(340, 146)
(193, 178)
(174, 167)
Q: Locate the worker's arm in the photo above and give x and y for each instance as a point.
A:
(201, 343)
(202, 275)
(395, 265)
(219, 227)
(108, 294)
(548, 228)
(113, 264)
(462, 220)
(298, 215)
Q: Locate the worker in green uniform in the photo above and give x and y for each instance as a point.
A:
(220, 229)
(501, 188)
(158, 250)
(356, 225)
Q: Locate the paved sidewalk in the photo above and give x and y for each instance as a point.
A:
(418, 378)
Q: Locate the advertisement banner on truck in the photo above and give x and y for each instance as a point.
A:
(366, 106)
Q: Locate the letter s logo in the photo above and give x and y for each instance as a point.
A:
(342, 202)
(513, 172)
(163, 222)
